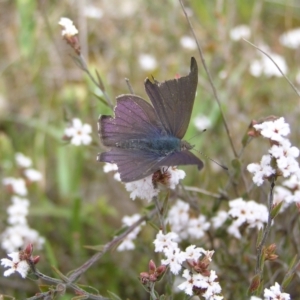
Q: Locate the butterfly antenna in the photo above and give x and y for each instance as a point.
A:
(197, 134)
(222, 166)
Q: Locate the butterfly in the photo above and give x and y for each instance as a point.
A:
(144, 138)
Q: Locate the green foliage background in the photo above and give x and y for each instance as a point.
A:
(41, 88)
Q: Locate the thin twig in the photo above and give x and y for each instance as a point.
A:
(266, 54)
(129, 86)
(202, 191)
(209, 79)
(84, 67)
(109, 246)
(159, 213)
(69, 281)
(259, 266)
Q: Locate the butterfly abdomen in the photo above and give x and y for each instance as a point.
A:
(162, 146)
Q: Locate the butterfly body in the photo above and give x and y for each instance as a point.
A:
(143, 138)
(162, 145)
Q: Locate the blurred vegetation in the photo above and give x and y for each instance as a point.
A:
(77, 204)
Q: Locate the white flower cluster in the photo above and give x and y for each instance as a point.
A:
(244, 213)
(240, 32)
(288, 193)
(78, 133)
(68, 27)
(281, 152)
(127, 243)
(188, 42)
(147, 62)
(144, 188)
(175, 258)
(15, 264)
(202, 122)
(274, 293)
(291, 38)
(186, 226)
(18, 233)
(248, 213)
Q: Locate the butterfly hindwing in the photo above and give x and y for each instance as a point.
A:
(132, 164)
(181, 158)
(173, 100)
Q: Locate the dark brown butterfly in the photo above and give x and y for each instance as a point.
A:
(143, 138)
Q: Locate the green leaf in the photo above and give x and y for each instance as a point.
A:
(113, 296)
(275, 210)
(26, 32)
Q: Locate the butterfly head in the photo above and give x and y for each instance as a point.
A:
(186, 146)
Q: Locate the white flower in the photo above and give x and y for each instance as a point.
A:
(274, 293)
(193, 253)
(130, 220)
(187, 286)
(188, 42)
(18, 211)
(257, 214)
(219, 219)
(246, 212)
(209, 254)
(283, 195)
(274, 130)
(117, 176)
(202, 122)
(292, 183)
(255, 298)
(112, 167)
(68, 28)
(17, 185)
(197, 227)
(291, 38)
(15, 237)
(262, 170)
(22, 160)
(239, 32)
(147, 62)
(93, 12)
(127, 243)
(174, 176)
(109, 167)
(15, 265)
(33, 175)
(287, 165)
(142, 188)
(174, 259)
(233, 230)
(212, 287)
(223, 74)
(178, 217)
(165, 241)
(284, 149)
(79, 133)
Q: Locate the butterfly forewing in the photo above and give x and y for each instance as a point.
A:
(173, 101)
(134, 119)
